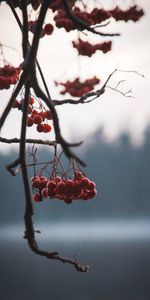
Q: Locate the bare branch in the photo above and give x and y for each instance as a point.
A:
(24, 28)
(83, 99)
(28, 141)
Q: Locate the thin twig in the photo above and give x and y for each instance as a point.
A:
(83, 99)
(28, 141)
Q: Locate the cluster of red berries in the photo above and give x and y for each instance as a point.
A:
(63, 20)
(76, 88)
(46, 30)
(35, 116)
(79, 188)
(96, 16)
(85, 48)
(9, 75)
(134, 13)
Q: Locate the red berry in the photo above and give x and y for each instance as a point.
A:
(61, 188)
(36, 183)
(57, 179)
(37, 119)
(48, 29)
(34, 178)
(43, 181)
(91, 186)
(51, 193)
(51, 185)
(29, 121)
(77, 189)
(85, 196)
(68, 200)
(69, 187)
(40, 128)
(42, 114)
(34, 112)
(85, 182)
(92, 193)
(47, 128)
(48, 115)
(37, 198)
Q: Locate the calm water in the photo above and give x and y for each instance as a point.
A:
(118, 254)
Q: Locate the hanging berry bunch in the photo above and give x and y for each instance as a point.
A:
(87, 49)
(134, 13)
(37, 114)
(96, 16)
(65, 185)
(76, 88)
(9, 75)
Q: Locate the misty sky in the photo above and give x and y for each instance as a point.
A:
(112, 111)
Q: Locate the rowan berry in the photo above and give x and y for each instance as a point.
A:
(37, 119)
(51, 185)
(48, 115)
(37, 197)
(40, 127)
(30, 121)
(47, 128)
(48, 29)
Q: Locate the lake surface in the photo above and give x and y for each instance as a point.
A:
(118, 254)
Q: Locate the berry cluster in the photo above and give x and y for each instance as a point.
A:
(76, 88)
(87, 49)
(46, 30)
(9, 75)
(79, 188)
(37, 117)
(62, 20)
(96, 16)
(134, 13)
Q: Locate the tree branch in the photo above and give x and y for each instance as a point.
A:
(83, 99)
(24, 28)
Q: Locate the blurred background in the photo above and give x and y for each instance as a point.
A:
(111, 232)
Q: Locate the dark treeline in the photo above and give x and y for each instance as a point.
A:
(120, 170)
